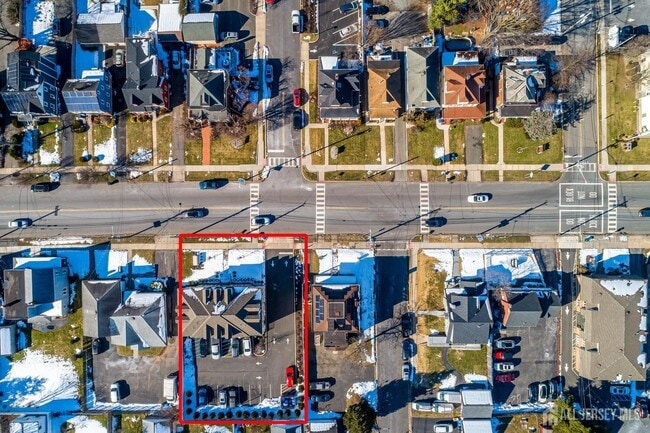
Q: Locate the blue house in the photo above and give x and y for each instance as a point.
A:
(92, 94)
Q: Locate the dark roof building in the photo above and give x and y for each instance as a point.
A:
(146, 88)
(520, 309)
(470, 319)
(92, 94)
(32, 84)
(385, 89)
(201, 29)
(100, 28)
(99, 299)
(141, 321)
(338, 90)
(422, 78)
(206, 90)
(521, 87)
(335, 313)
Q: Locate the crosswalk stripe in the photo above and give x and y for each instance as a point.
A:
(320, 208)
(254, 209)
(424, 207)
(585, 167)
(283, 161)
(612, 208)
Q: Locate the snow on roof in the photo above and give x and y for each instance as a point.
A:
(500, 269)
(366, 390)
(101, 18)
(616, 260)
(199, 18)
(472, 263)
(477, 425)
(169, 19)
(476, 397)
(445, 260)
(139, 299)
(83, 424)
(623, 287)
(37, 262)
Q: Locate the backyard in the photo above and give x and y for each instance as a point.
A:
(519, 149)
(222, 151)
(360, 147)
(139, 141)
(47, 134)
(422, 141)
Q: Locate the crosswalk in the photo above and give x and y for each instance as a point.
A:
(424, 207)
(254, 201)
(320, 208)
(585, 167)
(276, 161)
(612, 207)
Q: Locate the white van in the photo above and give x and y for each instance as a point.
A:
(116, 395)
(246, 346)
(170, 388)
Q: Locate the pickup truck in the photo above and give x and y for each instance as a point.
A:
(319, 386)
(296, 21)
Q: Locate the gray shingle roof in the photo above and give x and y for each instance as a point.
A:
(522, 87)
(199, 28)
(100, 28)
(423, 77)
(143, 88)
(470, 319)
(338, 93)
(525, 309)
(206, 90)
(141, 321)
(99, 299)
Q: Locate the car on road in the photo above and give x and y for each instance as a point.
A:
(407, 325)
(232, 397)
(320, 385)
(436, 222)
(246, 346)
(213, 183)
(20, 222)
(216, 349)
(261, 220)
(298, 120)
(268, 73)
(234, 347)
(619, 390)
(223, 397)
(645, 212)
(320, 397)
(504, 344)
(42, 187)
(533, 392)
(407, 349)
(443, 427)
(296, 21)
(502, 355)
(202, 398)
(377, 10)
(348, 7)
(542, 392)
(406, 371)
(504, 366)
(196, 213)
(505, 377)
(203, 347)
(290, 374)
(297, 98)
(478, 198)
(116, 395)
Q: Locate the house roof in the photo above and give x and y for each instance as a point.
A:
(338, 92)
(141, 320)
(152, 424)
(206, 90)
(520, 88)
(89, 95)
(464, 92)
(99, 299)
(611, 340)
(201, 27)
(169, 18)
(143, 86)
(520, 309)
(7, 340)
(422, 77)
(100, 28)
(31, 292)
(384, 89)
(208, 308)
(476, 403)
(477, 426)
(335, 313)
(470, 319)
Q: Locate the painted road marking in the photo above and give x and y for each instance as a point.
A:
(612, 207)
(585, 167)
(581, 195)
(320, 208)
(254, 201)
(581, 220)
(424, 207)
(283, 162)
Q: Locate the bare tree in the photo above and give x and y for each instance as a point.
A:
(635, 47)
(574, 66)
(510, 16)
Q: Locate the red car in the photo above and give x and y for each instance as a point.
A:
(505, 378)
(297, 98)
(291, 374)
(502, 355)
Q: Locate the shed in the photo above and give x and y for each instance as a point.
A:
(200, 29)
(7, 340)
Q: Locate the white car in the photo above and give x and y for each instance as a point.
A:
(478, 198)
(406, 371)
(215, 350)
(246, 346)
(115, 392)
(20, 222)
(504, 344)
(504, 366)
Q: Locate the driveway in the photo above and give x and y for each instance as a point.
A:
(339, 32)
(235, 16)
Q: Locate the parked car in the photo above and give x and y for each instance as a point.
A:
(203, 347)
(229, 35)
(347, 30)
(261, 220)
(377, 10)
(234, 347)
(407, 349)
(645, 212)
(436, 222)
(216, 349)
(320, 397)
(223, 397)
(42, 187)
(20, 222)
(298, 120)
(505, 377)
(202, 398)
(407, 325)
(119, 57)
(619, 390)
(246, 346)
(290, 374)
(443, 427)
(542, 392)
(533, 392)
(553, 391)
(319, 386)
(176, 60)
(406, 371)
(213, 183)
(196, 213)
(348, 7)
(116, 395)
(296, 21)
(502, 355)
(382, 24)
(504, 344)
(232, 397)
(268, 73)
(97, 346)
(297, 98)
(478, 198)
(641, 408)
(504, 366)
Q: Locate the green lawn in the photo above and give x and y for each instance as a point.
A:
(430, 284)
(222, 152)
(524, 176)
(359, 175)
(80, 143)
(390, 144)
(100, 134)
(232, 176)
(515, 137)
(193, 152)
(421, 143)
(139, 136)
(469, 361)
(361, 147)
(164, 134)
(48, 135)
(313, 89)
(457, 141)
(132, 423)
(316, 143)
(426, 323)
(490, 143)
(490, 176)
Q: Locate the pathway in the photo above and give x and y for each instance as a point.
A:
(206, 133)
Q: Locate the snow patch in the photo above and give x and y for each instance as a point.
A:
(623, 287)
(38, 20)
(589, 259)
(616, 261)
(366, 390)
(139, 261)
(83, 424)
(472, 263)
(116, 261)
(445, 260)
(62, 241)
(106, 152)
(141, 156)
(49, 158)
(448, 382)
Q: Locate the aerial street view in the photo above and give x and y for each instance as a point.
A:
(394, 216)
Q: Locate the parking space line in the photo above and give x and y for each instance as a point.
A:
(612, 208)
(320, 208)
(424, 207)
(254, 198)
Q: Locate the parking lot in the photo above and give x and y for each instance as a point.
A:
(425, 425)
(235, 16)
(535, 358)
(260, 376)
(143, 375)
(339, 32)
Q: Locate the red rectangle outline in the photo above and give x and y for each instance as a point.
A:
(305, 240)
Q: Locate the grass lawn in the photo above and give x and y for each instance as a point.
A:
(164, 134)
(437, 176)
(232, 176)
(430, 359)
(421, 143)
(490, 143)
(640, 153)
(426, 323)
(469, 361)
(316, 144)
(313, 87)
(100, 134)
(80, 143)
(515, 137)
(638, 176)
(48, 135)
(457, 141)
(524, 176)
(308, 175)
(148, 255)
(138, 136)
(152, 351)
(390, 144)
(187, 263)
(362, 147)
(490, 176)
(193, 152)
(132, 423)
(621, 100)
(359, 175)
(516, 423)
(430, 284)
(222, 152)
